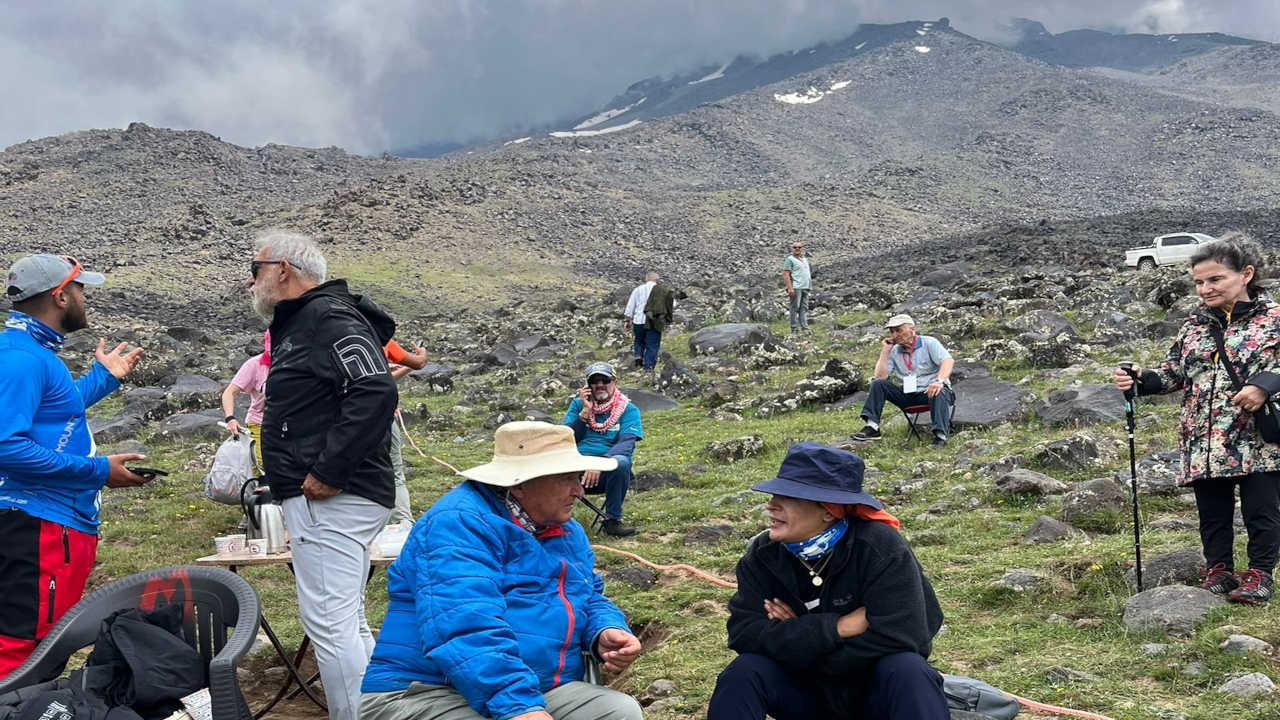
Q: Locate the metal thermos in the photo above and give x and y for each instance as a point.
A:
(266, 520)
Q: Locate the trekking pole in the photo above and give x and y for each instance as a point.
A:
(1130, 396)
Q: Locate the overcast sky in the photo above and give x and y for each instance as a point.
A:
(370, 75)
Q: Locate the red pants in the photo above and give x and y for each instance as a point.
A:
(44, 566)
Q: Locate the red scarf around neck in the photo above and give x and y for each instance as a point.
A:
(613, 407)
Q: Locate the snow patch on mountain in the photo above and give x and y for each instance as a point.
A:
(601, 131)
(713, 76)
(607, 115)
(517, 141)
(922, 49)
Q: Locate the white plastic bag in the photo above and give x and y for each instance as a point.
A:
(389, 542)
(232, 467)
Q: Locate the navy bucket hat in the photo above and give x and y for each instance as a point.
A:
(820, 473)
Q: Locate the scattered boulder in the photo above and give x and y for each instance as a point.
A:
(707, 534)
(646, 401)
(1083, 405)
(1055, 352)
(1241, 644)
(736, 449)
(837, 379)
(1059, 675)
(1095, 505)
(985, 401)
(1021, 580)
(1069, 454)
(1247, 686)
(1046, 529)
(678, 380)
(726, 337)
(1180, 567)
(720, 392)
(190, 426)
(190, 392)
(1029, 482)
(1176, 609)
(654, 480)
(637, 576)
(527, 344)
(1042, 322)
(124, 426)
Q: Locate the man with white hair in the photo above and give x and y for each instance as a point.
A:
(326, 446)
(923, 367)
(494, 606)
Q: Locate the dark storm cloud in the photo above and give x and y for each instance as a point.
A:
(369, 75)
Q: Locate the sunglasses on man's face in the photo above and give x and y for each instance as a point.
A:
(257, 264)
(76, 269)
(599, 380)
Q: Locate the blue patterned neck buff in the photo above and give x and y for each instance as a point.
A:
(41, 333)
(820, 544)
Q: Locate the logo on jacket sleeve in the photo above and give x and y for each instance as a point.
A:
(359, 358)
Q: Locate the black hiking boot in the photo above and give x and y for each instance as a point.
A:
(939, 440)
(1256, 588)
(866, 434)
(614, 528)
(1219, 580)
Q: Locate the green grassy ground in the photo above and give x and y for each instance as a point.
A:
(1003, 637)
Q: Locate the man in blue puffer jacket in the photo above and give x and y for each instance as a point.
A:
(50, 476)
(494, 600)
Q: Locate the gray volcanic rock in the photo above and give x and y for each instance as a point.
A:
(1043, 322)
(1247, 686)
(1176, 609)
(986, 401)
(194, 392)
(1046, 529)
(726, 337)
(1095, 505)
(1180, 567)
(190, 426)
(654, 480)
(1084, 405)
(1029, 482)
(645, 400)
(124, 426)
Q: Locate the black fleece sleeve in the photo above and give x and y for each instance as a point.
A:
(350, 356)
(797, 643)
(1268, 381)
(897, 598)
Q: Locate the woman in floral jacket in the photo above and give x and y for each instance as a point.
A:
(1220, 444)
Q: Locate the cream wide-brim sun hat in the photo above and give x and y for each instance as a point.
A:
(526, 450)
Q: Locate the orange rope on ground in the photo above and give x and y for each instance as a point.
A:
(404, 430)
(687, 568)
(1057, 710)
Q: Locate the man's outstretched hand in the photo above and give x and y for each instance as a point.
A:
(618, 649)
(118, 362)
(119, 476)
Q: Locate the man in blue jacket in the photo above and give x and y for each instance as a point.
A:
(606, 424)
(494, 606)
(50, 477)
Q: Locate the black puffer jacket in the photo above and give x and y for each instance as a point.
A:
(330, 397)
(872, 567)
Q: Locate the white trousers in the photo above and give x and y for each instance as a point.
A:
(330, 542)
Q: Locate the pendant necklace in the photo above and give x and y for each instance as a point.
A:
(815, 573)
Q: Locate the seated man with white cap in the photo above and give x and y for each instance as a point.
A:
(494, 602)
(923, 367)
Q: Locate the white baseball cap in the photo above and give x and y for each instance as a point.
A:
(900, 319)
(34, 274)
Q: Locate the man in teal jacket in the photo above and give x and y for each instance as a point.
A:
(50, 474)
(494, 607)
